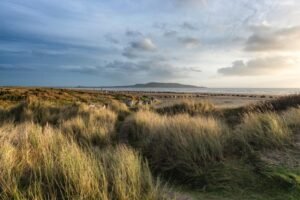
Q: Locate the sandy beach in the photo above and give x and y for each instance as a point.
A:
(219, 99)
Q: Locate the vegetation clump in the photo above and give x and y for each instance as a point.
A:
(181, 146)
(188, 107)
(234, 116)
(292, 118)
(41, 163)
(64, 144)
(263, 130)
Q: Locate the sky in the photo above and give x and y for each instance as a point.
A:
(212, 43)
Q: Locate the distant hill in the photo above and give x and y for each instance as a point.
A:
(149, 85)
(160, 85)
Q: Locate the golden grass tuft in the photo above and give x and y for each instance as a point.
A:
(88, 124)
(41, 163)
(292, 118)
(94, 126)
(179, 145)
(263, 130)
(188, 107)
(129, 174)
(68, 149)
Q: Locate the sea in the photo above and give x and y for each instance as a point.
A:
(258, 91)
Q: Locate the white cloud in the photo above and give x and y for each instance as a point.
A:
(270, 39)
(137, 48)
(189, 42)
(188, 26)
(259, 66)
(190, 3)
(170, 33)
(131, 33)
(146, 44)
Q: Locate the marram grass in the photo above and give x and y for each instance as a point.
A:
(77, 151)
(263, 131)
(41, 163)
(180, 145)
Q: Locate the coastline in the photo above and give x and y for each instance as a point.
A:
(169, 98)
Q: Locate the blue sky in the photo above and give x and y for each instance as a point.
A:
(214, 43)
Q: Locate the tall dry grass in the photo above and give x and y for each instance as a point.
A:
(263, 131)
(181, 146)
(39, 112)
(199, 150)
(118, 107)
(234, 116)
(292, 118)
(41, 163)
(188, 107)
(94, 126)
(88, 124)
(72, 151)
(43, 112)
(129, 175)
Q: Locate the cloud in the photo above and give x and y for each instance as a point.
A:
(189, 42)
(113, 67)
(259, 66)
(193, 69)
(91, 70)
(146, 44)
(270, 39)
(131, 33)
(190, 3)
(157, 68)
(137, 48)
(170, 33)
(14, 68)
(188, 26)
(263, 26)
(84, 38)
(130, 53)
(160, 25)
(111, 39)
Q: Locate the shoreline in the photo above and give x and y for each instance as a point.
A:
(169, 98)
(236, 91)
(161, 98)
(171, 94)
